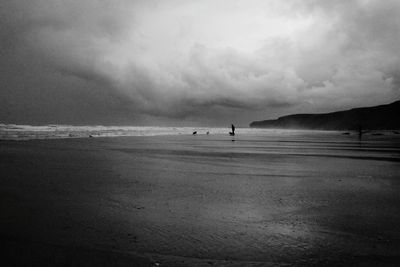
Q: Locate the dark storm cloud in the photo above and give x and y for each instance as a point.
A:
(129, 61)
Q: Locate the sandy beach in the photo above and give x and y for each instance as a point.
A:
(277, 200)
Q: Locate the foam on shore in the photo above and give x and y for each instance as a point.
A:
(28, 132)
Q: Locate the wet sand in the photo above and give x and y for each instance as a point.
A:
(201, 201)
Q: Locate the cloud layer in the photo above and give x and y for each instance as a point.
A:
(206, 62)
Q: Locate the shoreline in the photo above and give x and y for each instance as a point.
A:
(12, 135)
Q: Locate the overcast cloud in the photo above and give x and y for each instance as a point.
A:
(209, 62)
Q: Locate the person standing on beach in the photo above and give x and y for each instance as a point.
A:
(233, 130)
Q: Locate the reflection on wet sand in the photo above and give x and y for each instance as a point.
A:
(299, 199)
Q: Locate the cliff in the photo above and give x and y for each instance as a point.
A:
(384, 117)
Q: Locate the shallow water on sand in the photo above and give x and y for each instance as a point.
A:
(266, 197)
(29, 132)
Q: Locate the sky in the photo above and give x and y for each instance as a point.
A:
(184, 63)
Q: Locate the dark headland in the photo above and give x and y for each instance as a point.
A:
(384, 117)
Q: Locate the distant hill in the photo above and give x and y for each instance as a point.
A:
(384, 117)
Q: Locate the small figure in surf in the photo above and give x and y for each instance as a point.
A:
(233, 130)
(195, 132)
(360, 132)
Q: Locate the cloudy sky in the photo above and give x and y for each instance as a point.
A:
(206, 62)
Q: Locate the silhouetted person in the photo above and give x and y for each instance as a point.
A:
(208, 132)
(195, 132)
(361, 132)
(233, 130)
